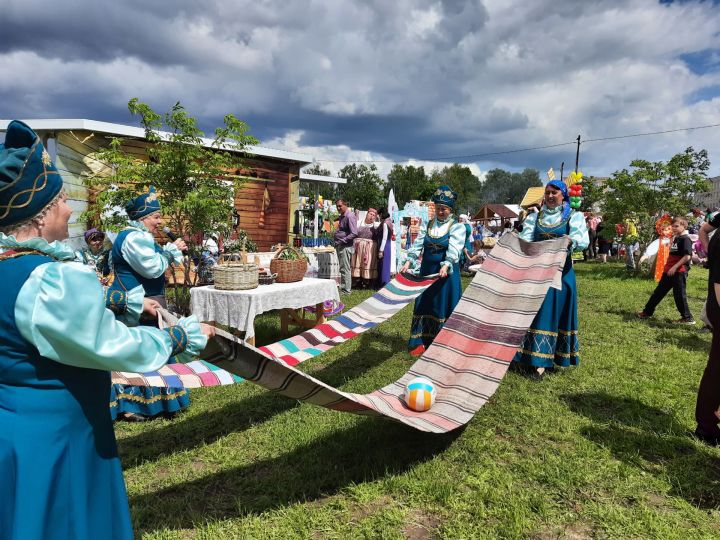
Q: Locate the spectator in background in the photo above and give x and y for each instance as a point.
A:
(387, 237)
(604, 236)
(344, 239)
(95, 255)
(631, 243)
(365, 251)
(674, 275)
(708, 397)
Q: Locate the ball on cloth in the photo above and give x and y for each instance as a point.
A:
(419, 394)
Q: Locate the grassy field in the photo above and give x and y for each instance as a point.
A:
(598, 451)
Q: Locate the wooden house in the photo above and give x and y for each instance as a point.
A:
(72, 143)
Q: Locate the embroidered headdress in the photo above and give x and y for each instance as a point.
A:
(444, 195)
(29, 180)
(144, 205)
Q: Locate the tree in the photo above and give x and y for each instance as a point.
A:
(363, 189)
(653, 188)
(196, 183)
(461, 180)
(504, 187)
(408, 183)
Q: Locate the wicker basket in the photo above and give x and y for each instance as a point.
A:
(288, 270)
(235, 276)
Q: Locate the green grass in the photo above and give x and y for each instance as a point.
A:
(598, 451)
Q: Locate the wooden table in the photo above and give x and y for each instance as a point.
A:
(238, 309)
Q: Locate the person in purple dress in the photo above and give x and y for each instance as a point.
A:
(385, 248)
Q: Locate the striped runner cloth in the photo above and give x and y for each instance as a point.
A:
(378, 308)
(385, 303)
(190, 375)
(467, 360)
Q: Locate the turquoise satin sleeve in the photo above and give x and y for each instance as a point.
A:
(529, 227)
(458, 233)
(578, 231)
(138, 249)
(134, 308)
(61, 311)
(196, 339)
(173, 253)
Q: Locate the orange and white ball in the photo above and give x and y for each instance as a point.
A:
(420, 394)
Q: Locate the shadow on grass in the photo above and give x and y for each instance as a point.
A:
(189, 432)
(652, 440)
(367, 451)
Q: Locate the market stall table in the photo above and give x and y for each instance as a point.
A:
(238, 309)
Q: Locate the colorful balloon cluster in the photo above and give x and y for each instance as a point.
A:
(574, 183)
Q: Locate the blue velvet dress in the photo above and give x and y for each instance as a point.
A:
(143, 400)
(434, 306)
(552, 338)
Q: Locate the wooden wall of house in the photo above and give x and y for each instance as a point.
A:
(248, 201)
(74, 159)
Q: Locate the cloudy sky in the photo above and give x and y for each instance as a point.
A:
(387, 81)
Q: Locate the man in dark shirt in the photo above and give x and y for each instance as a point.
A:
(708, 397)
(344, 239)
(674, 275)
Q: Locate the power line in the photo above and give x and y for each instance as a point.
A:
(650, 133)
(518, 150)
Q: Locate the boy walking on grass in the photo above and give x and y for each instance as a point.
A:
(674, 275)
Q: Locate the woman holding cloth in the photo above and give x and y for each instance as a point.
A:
(439, 245)
(552, 338)
(138, 260)
(60, 474)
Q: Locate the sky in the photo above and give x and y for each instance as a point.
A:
(414, 82)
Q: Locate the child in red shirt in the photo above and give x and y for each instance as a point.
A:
(674, 275)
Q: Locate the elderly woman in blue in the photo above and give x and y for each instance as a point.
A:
(438, 248)
(552, 338)
(137, 260)
(60, 475)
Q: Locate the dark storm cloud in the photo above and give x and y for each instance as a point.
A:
(401, 79)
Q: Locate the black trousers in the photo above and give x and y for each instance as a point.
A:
(591, 250)
(677, 284)
(708, 398)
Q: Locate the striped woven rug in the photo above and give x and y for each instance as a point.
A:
(467, 360)
(385, 303)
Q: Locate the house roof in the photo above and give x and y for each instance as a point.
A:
(120, 130)
(489, 211)
(305, 177)
(533, 195)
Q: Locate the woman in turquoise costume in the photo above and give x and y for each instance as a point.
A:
(552, 339)
(438, 248)
(60, 475)
(137, 260)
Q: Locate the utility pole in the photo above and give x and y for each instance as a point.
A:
(577, 154)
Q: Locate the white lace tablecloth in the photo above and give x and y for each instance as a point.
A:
(238, 309)
(322, 262)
